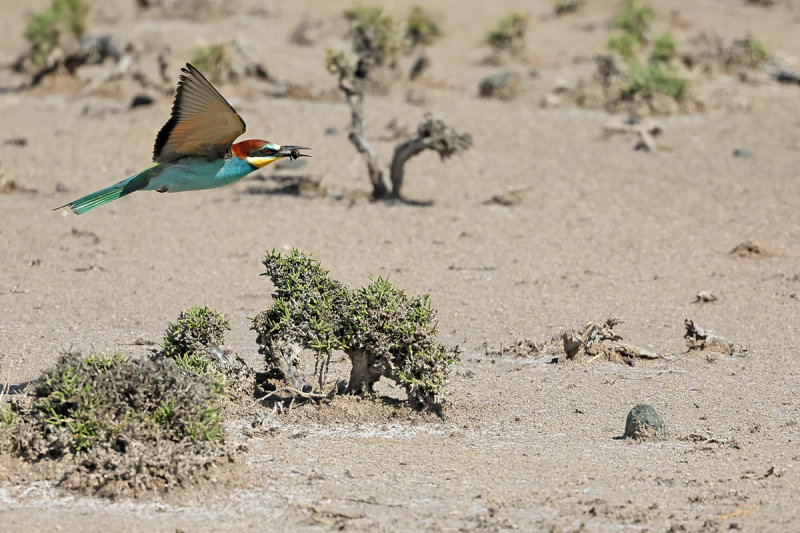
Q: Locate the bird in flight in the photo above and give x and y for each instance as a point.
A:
(194, 150)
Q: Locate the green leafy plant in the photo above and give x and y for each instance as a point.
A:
(6, 416)
(509, 33)
(753, 48)
(207, 425)
(306, 304)
(626, 45)
(656, 78)
(664, 49)
(390, 334)
(47, 29)
(164, 412)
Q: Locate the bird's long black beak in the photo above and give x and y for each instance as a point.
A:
(293, 152)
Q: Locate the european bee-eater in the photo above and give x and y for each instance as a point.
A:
(194, 150)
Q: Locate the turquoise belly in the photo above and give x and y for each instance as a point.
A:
(191, 174)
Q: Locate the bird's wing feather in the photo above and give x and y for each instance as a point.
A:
(202, 122)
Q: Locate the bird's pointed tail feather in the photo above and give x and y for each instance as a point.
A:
(103, 196)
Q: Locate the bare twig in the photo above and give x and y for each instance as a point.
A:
(296, 393)
(5, 382)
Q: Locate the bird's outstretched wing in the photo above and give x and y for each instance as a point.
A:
(202, 123)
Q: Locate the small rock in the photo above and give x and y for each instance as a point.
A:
(705, 297)
(787, 76)
(748, 249)
(420, 66)
(306, 33)
(503, 86)
(141, 100)
(415, 97)
(644, 424)
(561, 85)
(565, 7)
(550, 100)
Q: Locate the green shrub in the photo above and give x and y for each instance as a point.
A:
(383, 332)
(753, 48)
(664, 49)
(509, 33)
(389, 334)
(635, 18)
(186, 340)
(422, 29)
(626, 45)
(374, 33)
(657, 78)
(46, 29)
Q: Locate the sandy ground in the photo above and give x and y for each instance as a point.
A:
(599, 230)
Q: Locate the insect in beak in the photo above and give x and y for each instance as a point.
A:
(293, 152)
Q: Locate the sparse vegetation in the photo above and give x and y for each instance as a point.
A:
(208, 58)
(754, 50)
(664, 49)
(709, 54)
(657, 75)
(635, 19)
(626, 45)
(375, 35)
(422, 28)
(48, 29)
(509, 34)
(6, 416)
(108, 415)
(382, 330)
(656, 78)
(565, 7)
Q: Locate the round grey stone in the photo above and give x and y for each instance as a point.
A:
(644, 423)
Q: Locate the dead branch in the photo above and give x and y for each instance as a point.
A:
(432, 134)
(351, 82)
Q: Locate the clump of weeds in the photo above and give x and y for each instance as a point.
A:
(120, 427)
